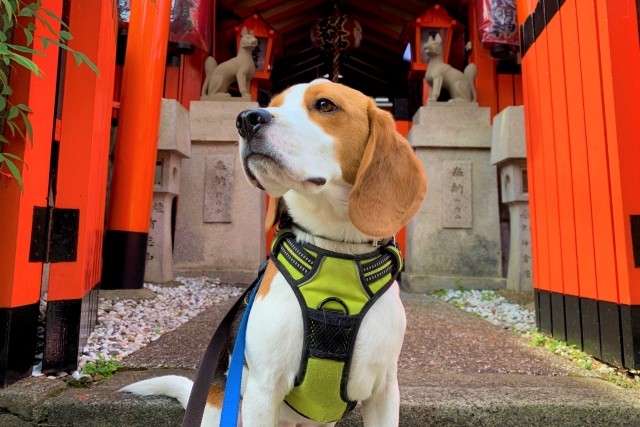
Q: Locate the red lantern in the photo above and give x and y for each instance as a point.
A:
(435, 20)
(269, 44)
(268, 49)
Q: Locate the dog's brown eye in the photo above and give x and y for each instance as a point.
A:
(325, 106)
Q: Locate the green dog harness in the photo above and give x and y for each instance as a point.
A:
(334, 292)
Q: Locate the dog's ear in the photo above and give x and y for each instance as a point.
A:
(438, 38)
(274, 209)
(390, 184)
(244, 31)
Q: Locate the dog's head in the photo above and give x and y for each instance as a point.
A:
(330, 146)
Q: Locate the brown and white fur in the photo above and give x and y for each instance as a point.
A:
(460, 85)
(241, 68)
(343, 173)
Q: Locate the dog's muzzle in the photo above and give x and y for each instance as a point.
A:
(250, 121)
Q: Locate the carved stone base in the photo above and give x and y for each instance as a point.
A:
(454, 241)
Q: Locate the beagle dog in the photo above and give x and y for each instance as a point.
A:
(345, 182)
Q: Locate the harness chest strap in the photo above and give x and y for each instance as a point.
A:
(334, 292)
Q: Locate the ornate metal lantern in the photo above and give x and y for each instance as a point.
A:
(336, 34)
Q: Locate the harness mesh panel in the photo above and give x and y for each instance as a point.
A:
(330, 333)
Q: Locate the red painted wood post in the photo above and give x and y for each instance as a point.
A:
(20, 279)
(578, 62)
(84, 137)
(134, 164)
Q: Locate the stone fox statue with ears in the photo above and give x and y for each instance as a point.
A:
(460, 85)
(241, 68)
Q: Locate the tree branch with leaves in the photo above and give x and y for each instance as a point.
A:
(21, 15)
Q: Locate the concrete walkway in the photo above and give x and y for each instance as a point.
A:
(455, 370)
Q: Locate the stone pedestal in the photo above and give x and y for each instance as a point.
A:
(454, 241)
(508, 152)
(173, 145)
(220, 221)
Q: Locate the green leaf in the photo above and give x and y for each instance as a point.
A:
(26, 63)
(3, 102)
(24, 49)
(54, 16)
(29, 35)
(8, 7)
(13, 113)
(56, 43)
(81, 57)
(27, 125)
(24, 108)
(13, 127)
(3, 140)
(12, 156)
(13, 169)
(4, 49)
(65, 35)
(46, 23)
(27, 11)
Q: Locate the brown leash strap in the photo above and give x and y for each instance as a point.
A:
(206, 371)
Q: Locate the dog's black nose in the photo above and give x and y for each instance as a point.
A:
(249, 121)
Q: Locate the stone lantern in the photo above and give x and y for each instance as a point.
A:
(174, 144)
(508, 153)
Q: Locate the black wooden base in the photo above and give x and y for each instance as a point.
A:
(69, 324)
(18, 338)
(124, 257)
(605, 330)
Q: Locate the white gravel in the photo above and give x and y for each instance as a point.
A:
(492, 307)
(125, 326)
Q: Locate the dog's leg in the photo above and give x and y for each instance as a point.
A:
(383, 408)
(259, 408)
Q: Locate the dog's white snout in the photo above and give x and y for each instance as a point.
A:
(249, 122)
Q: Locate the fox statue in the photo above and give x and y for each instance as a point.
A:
(460, 85)
(241, 68)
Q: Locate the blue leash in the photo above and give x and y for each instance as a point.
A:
(231, 402)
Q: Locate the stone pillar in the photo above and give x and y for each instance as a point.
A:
(220, 221)
(174, 144)
(454, 241)
(509, 153)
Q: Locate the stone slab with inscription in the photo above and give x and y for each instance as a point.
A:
(457, 207)
(218, 188)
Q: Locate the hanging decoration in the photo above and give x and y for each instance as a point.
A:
(190, 24)
(498, 27)
(336, 34)
(435, 21)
